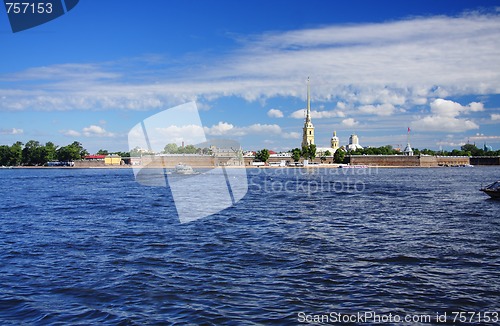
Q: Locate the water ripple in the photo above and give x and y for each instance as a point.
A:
(94, 247)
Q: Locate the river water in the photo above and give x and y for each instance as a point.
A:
(93, 246)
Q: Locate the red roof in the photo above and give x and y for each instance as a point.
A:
(94, 157)
(272, 152)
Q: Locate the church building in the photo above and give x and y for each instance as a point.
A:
(308, 130)
(353, 143)
(335, 142)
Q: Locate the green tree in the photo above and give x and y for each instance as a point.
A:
(4, 155)
(122, 154)
(32, 153)
(64, 154)
(82, 152)
(312, 151)
(206, 151)
(72, 152)
(49, 152)
(189, 149)
(170, 148)
(304, 152)
(328, 153)
(102, 152)
(136, 152)
(339, 156)
(470, 150)
(16, 154)
(262, 155)
(296, 154)
(309, 152)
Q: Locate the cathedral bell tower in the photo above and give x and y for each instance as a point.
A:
(335, 141)
(308, 130)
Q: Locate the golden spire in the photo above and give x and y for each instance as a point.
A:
(308, 115)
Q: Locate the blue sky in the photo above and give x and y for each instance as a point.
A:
(376, 67)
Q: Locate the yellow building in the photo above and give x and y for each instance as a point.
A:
(308, 130)
(112, 159)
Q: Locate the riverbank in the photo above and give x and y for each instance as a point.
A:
(312, 166)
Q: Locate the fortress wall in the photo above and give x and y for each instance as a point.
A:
(384, 160)
(400, 160)
(453, 160)
(428, 161)
(89, 164)
(371, 160)
(484, 160)
(171, 161)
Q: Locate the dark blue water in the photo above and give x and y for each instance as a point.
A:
(95, 247)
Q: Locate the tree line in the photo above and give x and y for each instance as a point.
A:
(465, 150)
(172, 148)
(33, 153)
(307, 152)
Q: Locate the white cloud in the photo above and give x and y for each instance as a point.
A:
(227, 129)
(300, 114)
(495, 117)
(189, 134)
(399, 62)
(275, 113)
(94, 130)
(449, 108)
(71, 133)
(444, 124)
(484, 137)
(445, 117)
(261, 129)
(90, 131)
(291, 135)
(11, 131)
(450, 143)
(380, 109)
(158, 137)
(350, 122)
(219, 129)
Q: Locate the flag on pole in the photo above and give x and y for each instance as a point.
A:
(409, 129)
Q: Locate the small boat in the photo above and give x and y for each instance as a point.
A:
(184, 169)
(493, 190)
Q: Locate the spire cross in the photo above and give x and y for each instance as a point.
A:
(308, 114)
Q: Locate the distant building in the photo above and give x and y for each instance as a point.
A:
(353, 143)
(335, 142)
(286, 154)
(408, 151)
(308, 130)
(94, 157)
(113, 159)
